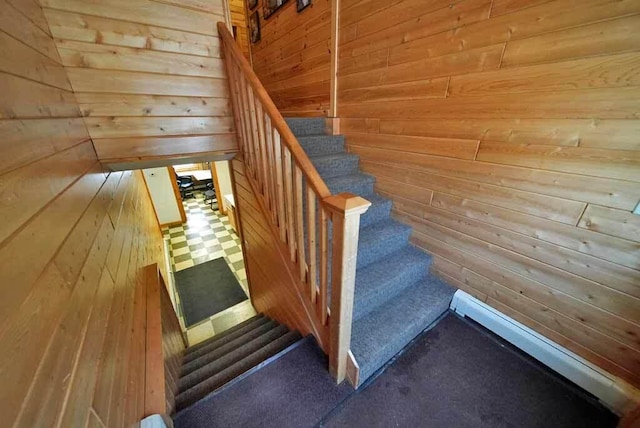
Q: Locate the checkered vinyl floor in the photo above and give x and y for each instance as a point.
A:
(207, 235)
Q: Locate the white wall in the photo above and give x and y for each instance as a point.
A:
(161, 191)
(224, 181)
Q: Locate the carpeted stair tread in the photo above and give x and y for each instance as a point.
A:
(384, 332)
(380, 240)
(379, 210)
(358, 184)
(213, 367)
(336, 164)
(306, 126)
(318, 145)
(220, 351)
(379, 282)
(217, 341)
(207, 385)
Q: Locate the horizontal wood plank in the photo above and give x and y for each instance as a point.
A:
(100, 105)
(127, 82)
(610, 71)
(589, 40)
(524, 23)
(17, 19)
(22, 98)
(606, 103)
(20, 60)
(561, 185)
(485, 58)
(26, 141)
(619, 164)
(622, 224)
(456, 148)
(594, 133)
(119, 148)
(98, 56)
(540, 205)
(141, 11)
(127, 127)
(621, 251)
(99, 30)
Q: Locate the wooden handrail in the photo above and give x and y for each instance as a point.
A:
(278, 122)
(164, 344)
(300, 209)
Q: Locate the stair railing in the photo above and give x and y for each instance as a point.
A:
(301, 209)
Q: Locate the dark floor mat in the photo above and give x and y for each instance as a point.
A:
(459, 375)
(294, 391)
(207, 289)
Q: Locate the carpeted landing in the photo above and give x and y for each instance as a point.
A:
(454, 375)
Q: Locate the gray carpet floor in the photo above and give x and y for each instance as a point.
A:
(454, 375)
(460, 375)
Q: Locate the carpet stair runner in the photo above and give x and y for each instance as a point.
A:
(210, 364)
(395, 295)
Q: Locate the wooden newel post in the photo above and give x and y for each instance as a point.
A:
(345, 210)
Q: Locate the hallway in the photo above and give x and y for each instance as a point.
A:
(207, 235)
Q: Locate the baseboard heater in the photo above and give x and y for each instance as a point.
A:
(616, 394)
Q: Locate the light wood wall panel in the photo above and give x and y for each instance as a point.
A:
(506, 133)
(145, 72)
(293, 60)
(239, 21)
(72, 241)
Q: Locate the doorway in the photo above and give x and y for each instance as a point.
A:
(196, 211)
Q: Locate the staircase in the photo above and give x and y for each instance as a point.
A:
(395, 296)
(210, 364)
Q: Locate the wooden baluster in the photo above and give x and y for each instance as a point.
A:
(324, 263)
(298, 206)
(262, 149)
(346, 210)
(234, 96)
(271, 171)
(282, 218)
(253, 129)
(311, 243)
(288, 184)
(247, 126)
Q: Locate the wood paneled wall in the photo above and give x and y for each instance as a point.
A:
(238, 20)
(273, 289)
(147, 74)
(506, 132)
(292, 59)
(72, 239)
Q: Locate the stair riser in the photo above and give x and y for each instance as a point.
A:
(302, 127)
(227, 348)
(369, 253)
(360, 187)
(227, 360)
(322, 145)
(196, 351)
(336, 167)
(207, 386)
(409, 276)
(376, 212)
